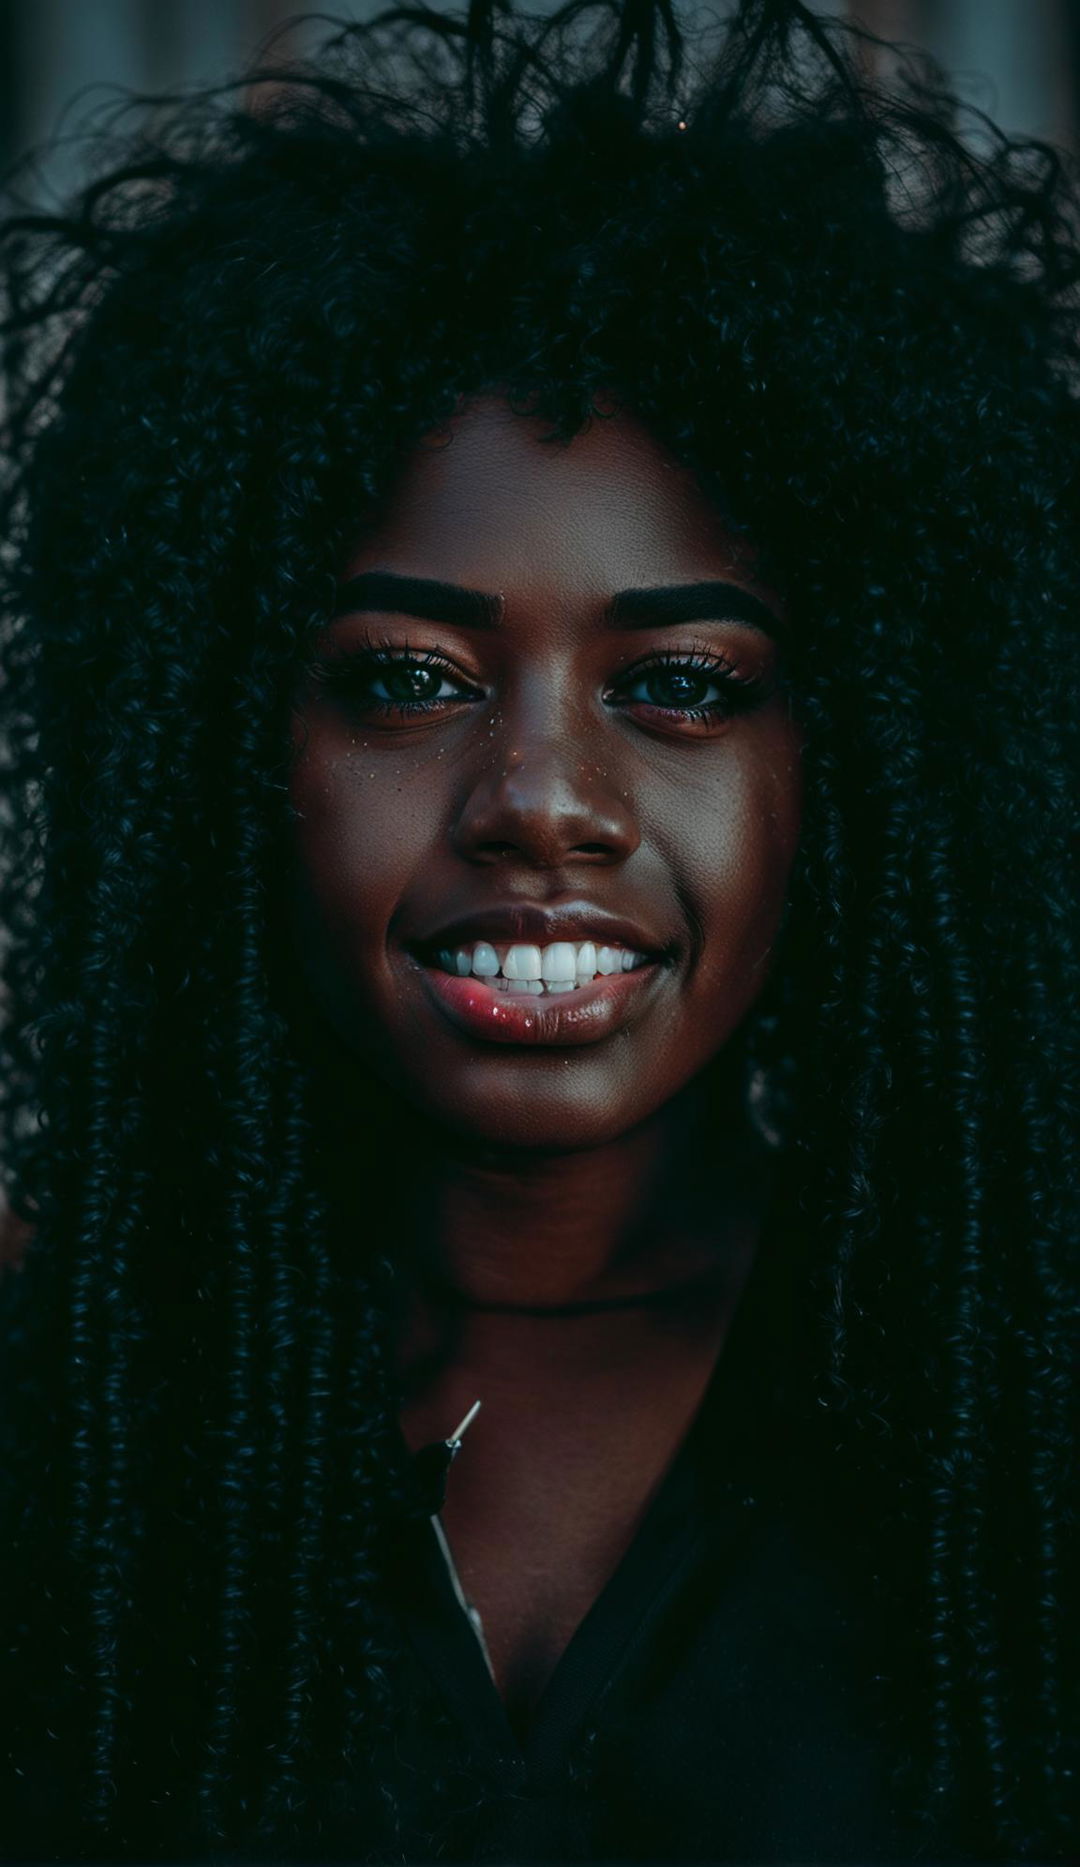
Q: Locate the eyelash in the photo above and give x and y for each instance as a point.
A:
(346, 670)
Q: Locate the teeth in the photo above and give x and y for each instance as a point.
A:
(485, 960)
(559, 963)
(586, 960)
(560, 967)
(522, 962)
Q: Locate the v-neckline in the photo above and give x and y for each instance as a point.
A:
(709, 1492)
(665, 1535)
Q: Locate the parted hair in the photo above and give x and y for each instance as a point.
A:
(848, 303)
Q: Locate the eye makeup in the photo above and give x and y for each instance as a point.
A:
(703, 686)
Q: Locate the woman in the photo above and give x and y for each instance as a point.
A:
(540, 697)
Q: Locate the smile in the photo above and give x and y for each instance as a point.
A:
(580, 1009)
(534, 971)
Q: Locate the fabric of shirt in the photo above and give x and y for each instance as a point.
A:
(713, 1704)
(721, 1701)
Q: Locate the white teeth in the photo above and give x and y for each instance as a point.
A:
(522, 962)
(559, 963)
(485, 960)
(562, 966)
(586, 960)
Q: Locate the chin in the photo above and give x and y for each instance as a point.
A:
(532, 1122)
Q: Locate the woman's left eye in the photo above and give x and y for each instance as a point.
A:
(699, 687)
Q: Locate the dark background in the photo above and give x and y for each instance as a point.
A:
(1017, 59)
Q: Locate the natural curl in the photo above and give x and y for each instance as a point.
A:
(851, 308)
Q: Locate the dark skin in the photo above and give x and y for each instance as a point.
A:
(551, 766)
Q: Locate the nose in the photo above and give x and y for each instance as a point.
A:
(543, 800)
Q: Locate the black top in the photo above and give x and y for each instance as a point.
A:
(721, 1701)
(713, 1705)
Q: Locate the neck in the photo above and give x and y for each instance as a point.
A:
(679, 1195)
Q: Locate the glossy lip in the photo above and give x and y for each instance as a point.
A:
(583, 1016)
(522, 923)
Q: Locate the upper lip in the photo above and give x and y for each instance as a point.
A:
(519, 923)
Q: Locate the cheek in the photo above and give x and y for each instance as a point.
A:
(745, 835)
(357, 838)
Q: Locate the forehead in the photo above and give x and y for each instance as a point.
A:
(486, 501)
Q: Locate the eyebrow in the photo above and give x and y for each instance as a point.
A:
(419, 596)
(690, 602)
(652, 608)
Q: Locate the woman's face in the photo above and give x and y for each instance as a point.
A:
(549, 734)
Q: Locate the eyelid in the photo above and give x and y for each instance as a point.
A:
(373, 651)
(706, 659)
(387, 647)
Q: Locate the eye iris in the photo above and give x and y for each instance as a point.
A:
(678, 687)
(410, 681)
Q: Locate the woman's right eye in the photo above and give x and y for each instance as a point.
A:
(380, 682)
(406, 682)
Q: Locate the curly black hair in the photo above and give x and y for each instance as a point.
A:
(849, 304)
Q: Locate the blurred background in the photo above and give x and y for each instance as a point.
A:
(1017, 59)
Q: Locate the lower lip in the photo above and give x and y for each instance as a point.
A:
(582, 1016)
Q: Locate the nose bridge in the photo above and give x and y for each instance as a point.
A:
(546, 788)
